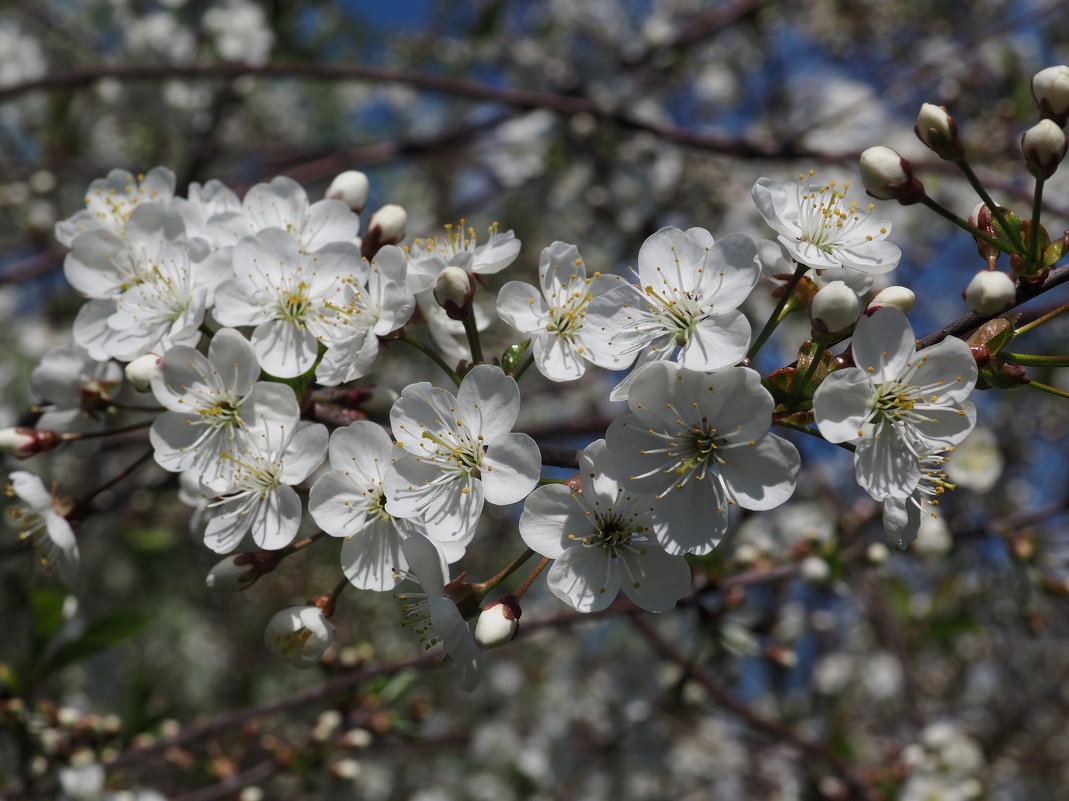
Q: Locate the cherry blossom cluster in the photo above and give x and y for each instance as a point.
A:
(249, 328)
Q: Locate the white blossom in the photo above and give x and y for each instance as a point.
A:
(898, 403)
(600, 538)
(291, 295)
(687, 298)
(40, 519)
(555, 317)
(213, 402)
(459, 248)
(350, 501)
(700, 443)
(260, 501)
(458, 452)
(821, 230)
(299, 634)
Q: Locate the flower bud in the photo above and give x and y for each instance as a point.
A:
(982, 220)
(1043, 146)
(886, 176)
(23, 442)
(937, 129)
(877, 553)
(1050, 88)
(814, 570)
(990, 292)
(140, 371)
(895, 297)
(498, 622)
(386, 227)
(351, 188)
(835, 308)
(454, 290)
(299, 634)
(234, 573)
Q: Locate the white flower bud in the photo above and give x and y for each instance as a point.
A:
(814, 570)
(886, 176)
(389, 222)
(937, 129)
(454, 290)
(23, 442)
(1050, 88)
(140, 371)
(877, 553)
(990, 292)
(1043, 146)
(299, 634)
(351, 188)
(498, 622)
(17, 442)
(896, 297)
(835, 307)
(234, 573)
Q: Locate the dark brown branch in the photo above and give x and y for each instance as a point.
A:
(970, 322)
(473, 90)
(772, 728)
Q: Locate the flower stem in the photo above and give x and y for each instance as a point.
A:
(1034, 255)
(974, 181)
(485, 586)
(816, 351)
(111, 482)
(948, 215)
(408, 339)
(527, 582)
(1046, 318)
(327, 600)
(471, 330)
(774, 319)
(71, 436)
(1030, 360)
(1059, 393)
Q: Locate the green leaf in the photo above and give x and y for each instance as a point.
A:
(101, 633)
(152, 539)
(46, 613)
(510, 359)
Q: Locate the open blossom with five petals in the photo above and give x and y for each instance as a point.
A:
(459, 450)
(350, 501)
(70, 386)
(554, 318)
(699, 443)
(164, 308)
(110, 202)
(213, 402)
(601, 539)
(40, 518)
(283, 204)
(260, 501)
(290, 295)
(363, 315)
(687, 298)
(898, 403)
(459, 248)
(822, 230)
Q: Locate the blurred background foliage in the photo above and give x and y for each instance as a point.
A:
(811, 664)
